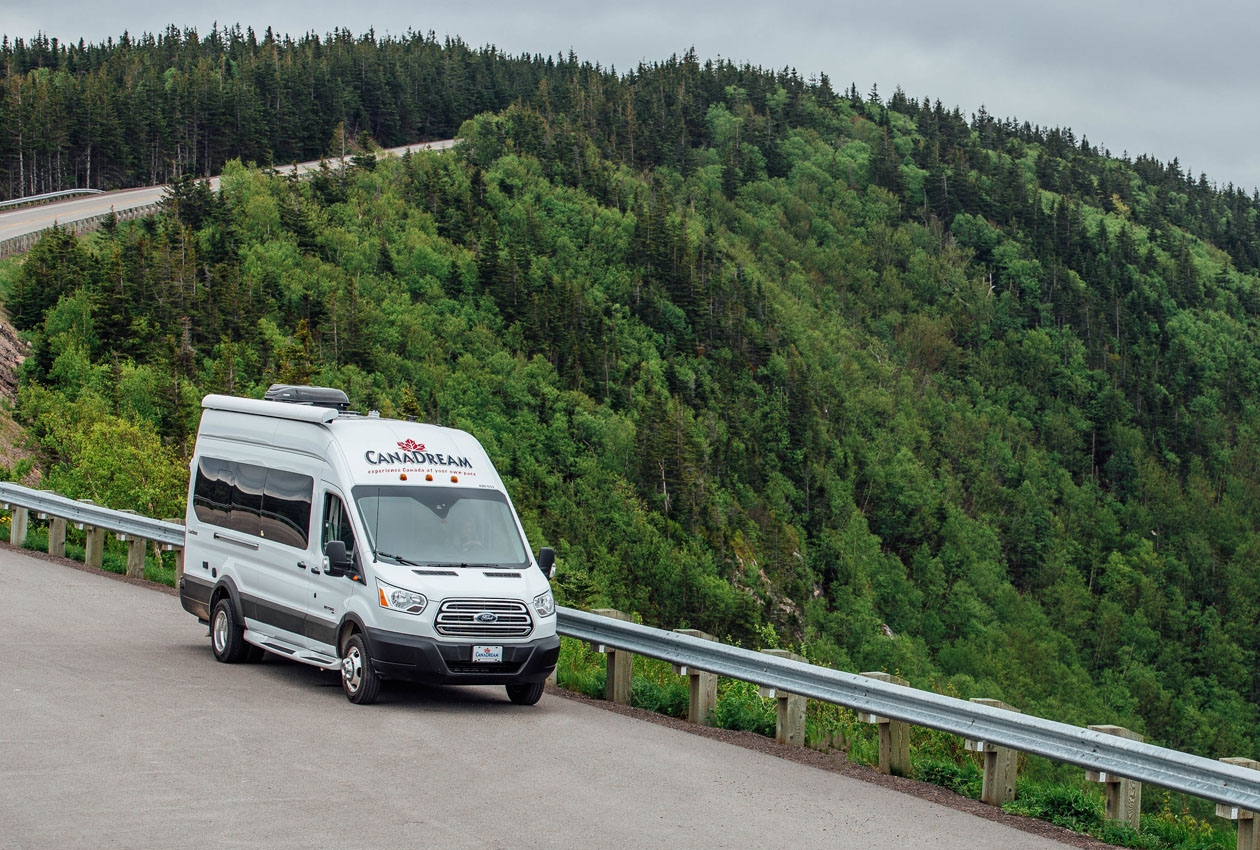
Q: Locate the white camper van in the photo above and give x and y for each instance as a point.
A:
(381, 548)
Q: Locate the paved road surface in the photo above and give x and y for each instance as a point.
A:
(119, 730)
(19, 222)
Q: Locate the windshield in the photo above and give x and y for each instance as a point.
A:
(441, 525)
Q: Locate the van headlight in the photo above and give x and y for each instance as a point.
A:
(545, 604)
(397, 599)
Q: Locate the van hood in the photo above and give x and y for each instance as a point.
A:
(439, 583)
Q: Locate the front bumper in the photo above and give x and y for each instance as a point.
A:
(433, 662)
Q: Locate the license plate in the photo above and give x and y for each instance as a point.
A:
(488, 654)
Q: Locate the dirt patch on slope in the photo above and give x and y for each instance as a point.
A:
(12, 352)
(13, 443)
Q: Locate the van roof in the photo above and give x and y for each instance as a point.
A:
(379, 450)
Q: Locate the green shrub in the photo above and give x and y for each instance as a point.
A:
(1185, 831)
(1059, 804)
(579, 669)
(965, 778)
(670, 698)
(739, 706)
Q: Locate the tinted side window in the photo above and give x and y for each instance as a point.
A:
(254, 500)
(336, 524)
(247, 498)
(286, 508)
(212, 490)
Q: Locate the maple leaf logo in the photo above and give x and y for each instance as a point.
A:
(411, 446)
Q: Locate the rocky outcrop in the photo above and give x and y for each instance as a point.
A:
(12, 352)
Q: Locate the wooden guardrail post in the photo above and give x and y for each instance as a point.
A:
(135, 552)
(703, 686)
(1248, 835)
(894, 735)
(620, 677)
(93, 541)
(19, 522)
(57, 536)
(789, 727)
(1123, 797)
(1001, 764)
(178, 550)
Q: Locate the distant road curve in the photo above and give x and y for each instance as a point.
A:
(27, 220)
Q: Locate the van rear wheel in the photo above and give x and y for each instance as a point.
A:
(359, 678)
(227, 637)
(525, 693)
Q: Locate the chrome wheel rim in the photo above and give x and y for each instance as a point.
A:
(352, 669)
(220, 631)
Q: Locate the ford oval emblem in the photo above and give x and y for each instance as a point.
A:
(487, 617)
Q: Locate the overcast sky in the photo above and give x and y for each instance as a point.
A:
(1171, 79)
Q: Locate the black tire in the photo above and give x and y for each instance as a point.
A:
(254, 654)
(525, 693)
(359, 678)
(227, 636)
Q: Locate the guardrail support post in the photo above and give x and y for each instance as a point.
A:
(93, 541)
(894, 735)
(1248, 835)
(57, 536)
(19, 521)
(178, 550)
(135, 553)
(1123, 796)
(620, 677)
(790, 713)
(1001, 764)
(703, 686)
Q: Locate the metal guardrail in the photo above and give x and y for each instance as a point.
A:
(1062, 742)
(132, 525)
(47, 196)
(1194, 775)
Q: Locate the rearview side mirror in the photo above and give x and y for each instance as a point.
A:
(547, 561)
(337, 560)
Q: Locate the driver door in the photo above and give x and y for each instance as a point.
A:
(330, 592)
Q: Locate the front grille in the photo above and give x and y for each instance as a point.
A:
(458, 618)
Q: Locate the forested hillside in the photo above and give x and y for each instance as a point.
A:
(966, 399)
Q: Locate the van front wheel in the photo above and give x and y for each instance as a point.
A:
(525, 693)
(227, 637)
(359, 678)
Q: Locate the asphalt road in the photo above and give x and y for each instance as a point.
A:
(25, 220)
(119, 730)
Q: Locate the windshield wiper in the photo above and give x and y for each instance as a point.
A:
(399, 558)
(461, 566)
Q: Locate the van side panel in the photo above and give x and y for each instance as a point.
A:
(271, 573)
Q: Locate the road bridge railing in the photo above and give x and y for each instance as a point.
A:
(1231, 784)
(78, 226)
(29, 200)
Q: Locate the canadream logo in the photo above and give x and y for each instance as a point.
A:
(414, 453)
